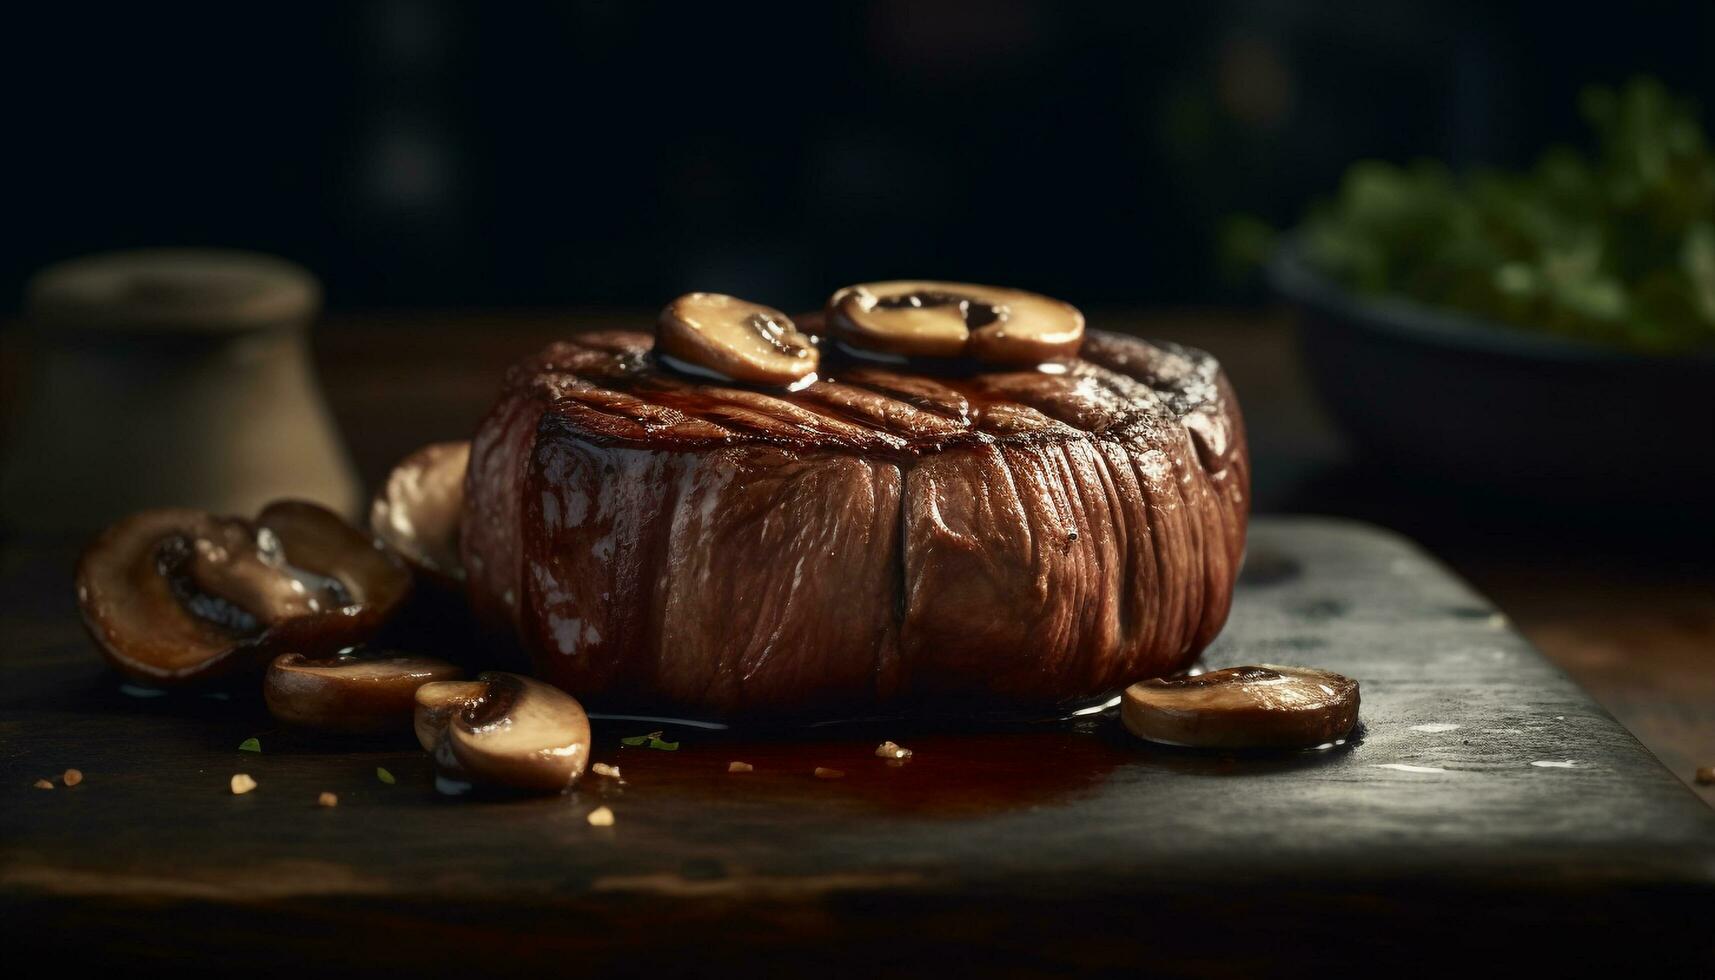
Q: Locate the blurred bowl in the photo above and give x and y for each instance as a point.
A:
(1498, 409)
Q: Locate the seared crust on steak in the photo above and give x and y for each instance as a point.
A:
(877, 539)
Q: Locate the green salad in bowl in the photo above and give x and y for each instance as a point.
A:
(1545, 336)
(1615, 245)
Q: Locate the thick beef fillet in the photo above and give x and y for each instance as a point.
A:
(874, 540)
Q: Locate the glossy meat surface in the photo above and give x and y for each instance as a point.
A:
(876, 541)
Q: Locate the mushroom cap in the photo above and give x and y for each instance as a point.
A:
(1262, 706)
(522, 734)
(137, 601)
(734, 338)
(417, 512)
(359, 694)
(930, 318)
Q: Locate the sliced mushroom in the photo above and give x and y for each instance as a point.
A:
(436, 703)
(730, 338)
(354, 693)
(515, 732)
(417, 512)
(925, 318)
(172, 595)
(1265, 706)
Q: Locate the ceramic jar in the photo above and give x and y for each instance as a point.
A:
(169, 377)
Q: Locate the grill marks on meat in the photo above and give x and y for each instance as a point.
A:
(606, 381)
(1017, 538)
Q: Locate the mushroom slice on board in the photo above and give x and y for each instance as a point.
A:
(927, 318)
(357, 693)
(436, 702)
(172, 596)
(1263, 706)
(516, 732)
(713, 334)
(418, 511)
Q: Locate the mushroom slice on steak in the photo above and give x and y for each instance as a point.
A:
(926, 318)
(730, 338)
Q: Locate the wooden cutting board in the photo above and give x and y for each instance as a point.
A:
(1486, 812)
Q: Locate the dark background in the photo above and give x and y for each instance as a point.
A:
(615, 154)
(429, 159)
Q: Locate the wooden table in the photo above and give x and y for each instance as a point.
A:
(1629, 613)
(1484, 812)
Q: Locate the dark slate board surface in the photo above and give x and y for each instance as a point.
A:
(1420, 846)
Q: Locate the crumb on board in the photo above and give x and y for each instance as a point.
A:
(1706, 775)
(327, 799)
(601, 816)
(242, 783)
(739, 767)
(603, 769)
(823, 772)
(72, 777)
(892, 750)
(43, 784)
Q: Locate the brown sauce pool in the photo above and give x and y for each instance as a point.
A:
(947, 774)
(990, 768)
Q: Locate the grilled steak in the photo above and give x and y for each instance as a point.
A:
(878, 540)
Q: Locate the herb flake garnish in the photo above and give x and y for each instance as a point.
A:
(250, 745)
(653, 740)
(384, 776)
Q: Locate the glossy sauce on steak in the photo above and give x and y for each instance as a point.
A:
(879, 539)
